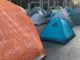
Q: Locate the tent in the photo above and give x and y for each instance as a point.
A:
(75, 15)
(19, 39)
(59, 12)
(38, 18)
(58, 30)
(34, 10)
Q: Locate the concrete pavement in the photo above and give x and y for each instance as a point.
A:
(70, 51)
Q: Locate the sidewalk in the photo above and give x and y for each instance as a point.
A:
(70, 51)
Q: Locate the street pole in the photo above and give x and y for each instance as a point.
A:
(48, 4)
(40, 4)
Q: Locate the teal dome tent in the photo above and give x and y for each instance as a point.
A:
(58, 30)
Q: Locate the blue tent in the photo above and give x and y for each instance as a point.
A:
(60, 12)
(58, 30)
(75, 15)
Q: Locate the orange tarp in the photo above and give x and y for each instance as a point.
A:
(19, 39)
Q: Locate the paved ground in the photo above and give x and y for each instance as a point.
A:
(70, 51)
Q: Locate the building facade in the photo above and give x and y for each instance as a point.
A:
(44, 4)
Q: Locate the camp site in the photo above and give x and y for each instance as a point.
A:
(39, 29)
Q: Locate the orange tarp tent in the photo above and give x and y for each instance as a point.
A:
(19, 39)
